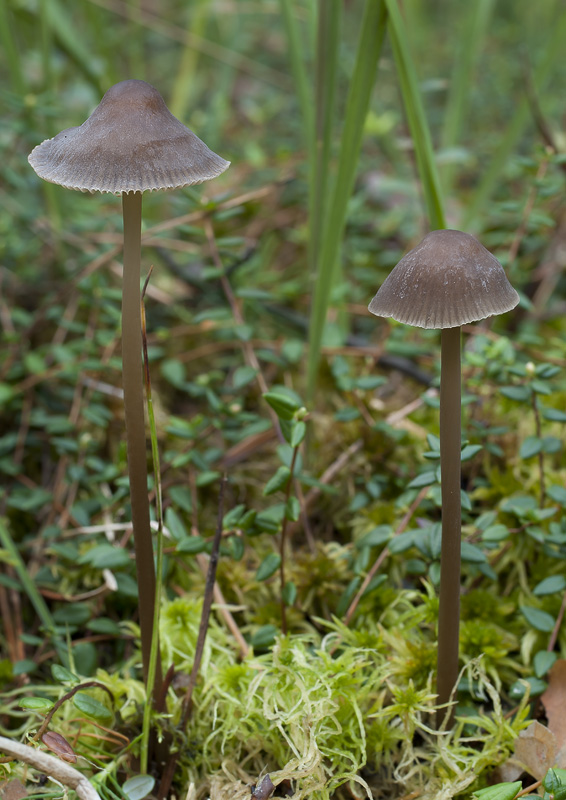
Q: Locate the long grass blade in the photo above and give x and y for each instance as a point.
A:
(327, 45)
(369, 48)
(416, 117)
(470, 45)
(304, 93)
(29, 586)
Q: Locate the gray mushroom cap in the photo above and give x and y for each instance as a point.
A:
(449, 279)
(130, 143)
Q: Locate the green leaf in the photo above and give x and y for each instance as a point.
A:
(556, 583)
(472, 554)
(268, 566)
(104, 625)
(495, 533)
(540, 387)
(72, 614)
(247, 520)
(174, 372)
(543, 661)
(92, 708)
(292, 509)
(519, 393)
(237, 547)
(63, 675)
(424, 479)
(264, 637)
(243, 376)
(531, 447)
(138, 787)
(284, 406)
(537, 619)
(6, 393)
(535, 686)
(558, 494)
(105, 556)
(192, 544)
(402, 542)
(378, 535)
(469, 451)
(29, 499)
(41, 704)
(502, 791)
(554, 415)
(298, 433)
(175, 525)
(289, 593)
(232, 517)
(278, 482)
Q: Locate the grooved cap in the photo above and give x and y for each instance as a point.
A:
(447, 280)
(130, 143)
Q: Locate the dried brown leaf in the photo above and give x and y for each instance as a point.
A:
(554, 702)
(60, 746)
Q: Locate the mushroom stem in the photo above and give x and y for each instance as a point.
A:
(135, 425)
(450, 472)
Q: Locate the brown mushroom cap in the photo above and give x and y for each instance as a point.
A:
(447, 280)
(130, 143)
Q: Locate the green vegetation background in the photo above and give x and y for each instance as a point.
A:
(343, 705)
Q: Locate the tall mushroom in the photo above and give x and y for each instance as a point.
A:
(131, 144)
(446, 281)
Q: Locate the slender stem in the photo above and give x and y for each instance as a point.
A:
(152, 699)
(541, 454)
(284, 541)
(450, 468)
(135, 424)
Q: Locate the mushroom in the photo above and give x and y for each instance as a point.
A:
(130, 144)
(446, 281)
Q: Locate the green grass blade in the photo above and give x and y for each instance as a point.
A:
(369, 47)
(11, 52)
(416, 117)
(328, 41)
(185, 79)
(30, 588)
(304, 93)
(70, 40)
(470, 45)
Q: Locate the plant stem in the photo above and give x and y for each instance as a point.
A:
(541, 454)
(284, 540)
(135, 425)
(152, 700)
(450, 469)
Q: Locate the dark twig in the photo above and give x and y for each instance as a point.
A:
(169, 771)
(206, 607)
(382, 556)
(557, 625)
(541, 454)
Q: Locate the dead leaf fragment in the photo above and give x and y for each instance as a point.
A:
(12, 790)
(535, 750)
(554, 702)
(60, 746)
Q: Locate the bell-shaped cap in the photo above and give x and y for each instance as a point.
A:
(130, 143)
(447, 280)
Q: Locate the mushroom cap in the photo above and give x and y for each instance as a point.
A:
(447, 280)
(130, 143)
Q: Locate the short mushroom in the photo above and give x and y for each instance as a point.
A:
(446, 281)
(130, 144)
